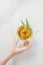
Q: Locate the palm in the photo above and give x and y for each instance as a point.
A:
(24, 47)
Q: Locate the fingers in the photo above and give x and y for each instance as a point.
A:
(16, 42)
(26, 43)
(25, 48)
(29, 46)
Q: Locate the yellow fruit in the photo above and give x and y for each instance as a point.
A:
(24, 33)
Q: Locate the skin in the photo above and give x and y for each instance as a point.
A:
(14, 51)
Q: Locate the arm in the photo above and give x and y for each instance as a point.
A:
(6, 58)
(14, 50)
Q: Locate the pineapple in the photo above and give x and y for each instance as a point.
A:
(24, 31)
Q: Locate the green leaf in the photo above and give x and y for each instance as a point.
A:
(27, 24)
(22, 23)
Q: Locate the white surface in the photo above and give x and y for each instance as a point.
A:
(34, 11)
(7, 8)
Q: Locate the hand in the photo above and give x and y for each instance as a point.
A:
(15, 50)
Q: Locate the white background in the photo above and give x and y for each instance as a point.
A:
(10, 16)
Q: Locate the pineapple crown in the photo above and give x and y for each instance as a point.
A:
(27, 25)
